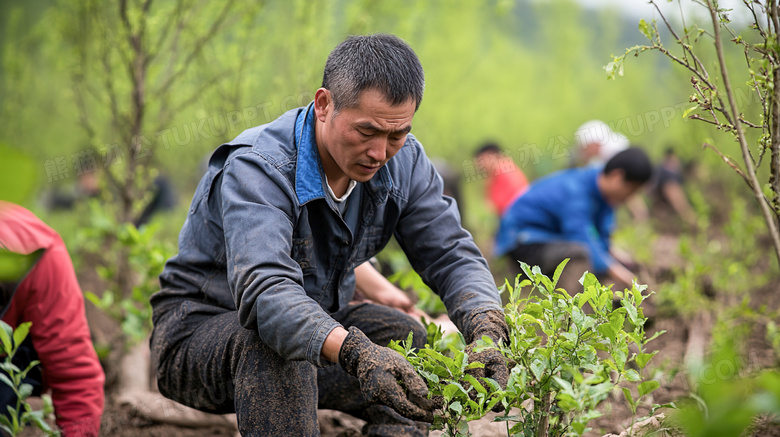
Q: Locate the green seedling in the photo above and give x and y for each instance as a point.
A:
(566, 354)
(21, 414)
(444, 365)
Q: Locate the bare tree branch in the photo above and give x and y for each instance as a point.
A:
(756, 21)
(766, 209)
(165, 119)
(157, 46)
(697, 63)
(730, 162)
(197, 47)
(749, 124)
(83, 115)
(108, 84)
(712, 122)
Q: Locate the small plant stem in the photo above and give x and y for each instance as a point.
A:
(18, 428)
(544, 421)
(633, 420)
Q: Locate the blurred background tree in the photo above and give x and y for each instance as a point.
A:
(714, 99)
(521, 74)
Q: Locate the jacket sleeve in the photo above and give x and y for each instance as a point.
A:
(440, 250)
(577, 226)
(266, 282)
(50, 298)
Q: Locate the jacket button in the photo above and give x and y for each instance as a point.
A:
(345, 242)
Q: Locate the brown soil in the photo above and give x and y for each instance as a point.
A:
(121, 421)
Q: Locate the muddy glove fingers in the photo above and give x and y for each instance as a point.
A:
(495, 368)
(432, 404)
(495, 365)
(385, 376)
(383, 387)
(493, 325)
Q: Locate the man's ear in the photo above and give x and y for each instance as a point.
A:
(323, 104)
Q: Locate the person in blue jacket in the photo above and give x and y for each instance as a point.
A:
(571, 214)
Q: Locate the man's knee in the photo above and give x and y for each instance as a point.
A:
(405, 324)
(401, 329)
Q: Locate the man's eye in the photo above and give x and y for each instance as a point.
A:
(397, 139)
(363, 133)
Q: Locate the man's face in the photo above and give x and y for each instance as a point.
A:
(615, 189)
(357, 141)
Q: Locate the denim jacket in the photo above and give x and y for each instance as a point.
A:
(262, 237)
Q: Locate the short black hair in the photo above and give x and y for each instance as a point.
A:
(635, 164)
(380, 61)
(488, 147)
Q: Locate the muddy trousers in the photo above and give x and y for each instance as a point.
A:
(206, 360)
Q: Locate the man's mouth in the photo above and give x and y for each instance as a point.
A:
(369, 168)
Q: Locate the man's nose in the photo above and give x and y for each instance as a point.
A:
(378, 149)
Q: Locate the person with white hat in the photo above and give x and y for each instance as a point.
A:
(596, 143)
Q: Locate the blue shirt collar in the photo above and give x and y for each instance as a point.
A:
(309, 174)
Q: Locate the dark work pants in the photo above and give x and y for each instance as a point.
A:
(206, 360)
(548, 255)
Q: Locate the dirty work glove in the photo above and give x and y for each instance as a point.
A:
(385, 376)
(491, 324)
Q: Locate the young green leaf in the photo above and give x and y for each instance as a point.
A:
(559, 272)
(629, 398)
(21, 333)
(632, 375)
(4, 378)
(645, 29)
(474, 383)
(689, 110)
(654, 336)
(449, 392)
(643, 359)
(6, 334)
(647, 387)
(36, 417)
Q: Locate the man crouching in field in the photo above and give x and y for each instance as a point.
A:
(254, 314)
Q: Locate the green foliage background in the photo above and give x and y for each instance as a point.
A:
(524, 73)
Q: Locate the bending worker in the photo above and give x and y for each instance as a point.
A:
(48, 295)
(571, 214)
(254, 317)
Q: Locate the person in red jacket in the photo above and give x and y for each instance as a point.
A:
(49, 296)
(505, 181)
